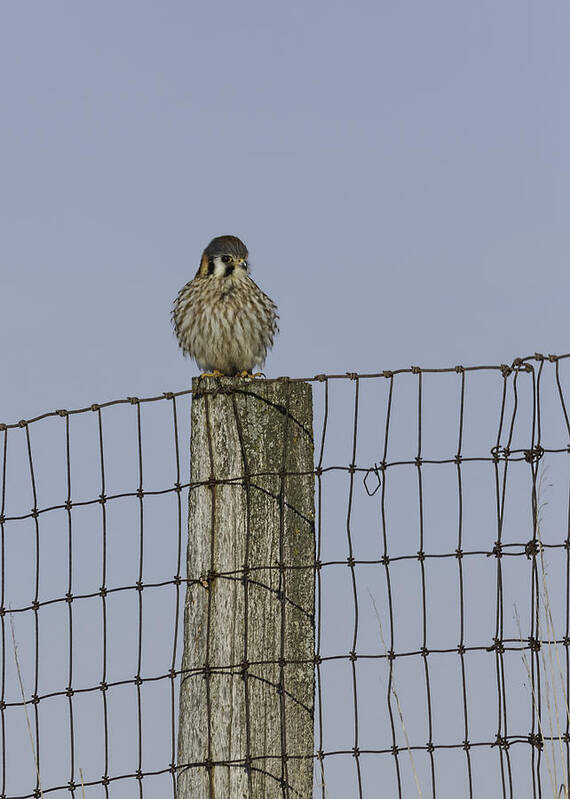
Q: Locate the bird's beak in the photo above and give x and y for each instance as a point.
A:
(242, 262)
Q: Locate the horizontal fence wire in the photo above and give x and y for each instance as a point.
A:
(93, 537)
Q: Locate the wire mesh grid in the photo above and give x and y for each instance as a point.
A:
(442, 588)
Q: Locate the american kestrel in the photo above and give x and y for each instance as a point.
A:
(222, 318)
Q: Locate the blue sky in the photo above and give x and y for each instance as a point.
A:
(400, 173)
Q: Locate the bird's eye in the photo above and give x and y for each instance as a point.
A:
(226, 259)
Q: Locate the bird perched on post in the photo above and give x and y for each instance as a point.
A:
(222, 318)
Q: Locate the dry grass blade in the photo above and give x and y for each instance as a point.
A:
(549, 765)
(28, 722)
(395, 695)
(553, 674)
(549, 668)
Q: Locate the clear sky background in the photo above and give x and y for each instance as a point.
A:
(399, 171)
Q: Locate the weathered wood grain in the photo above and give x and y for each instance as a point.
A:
(247, 691)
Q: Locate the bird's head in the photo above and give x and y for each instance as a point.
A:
(223, 256)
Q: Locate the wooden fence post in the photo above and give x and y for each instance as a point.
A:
(247, 687)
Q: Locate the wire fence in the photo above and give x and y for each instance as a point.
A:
(442, 569)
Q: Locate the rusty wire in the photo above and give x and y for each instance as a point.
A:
(501, 457)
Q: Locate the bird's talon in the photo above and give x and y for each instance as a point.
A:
(250, 375)
(215, 373)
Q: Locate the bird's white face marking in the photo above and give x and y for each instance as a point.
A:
(226, 265)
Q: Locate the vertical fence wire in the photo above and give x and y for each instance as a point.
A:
(3, 608)
(177, 584)
(103, 595)
(321, 781)
(246, 590)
